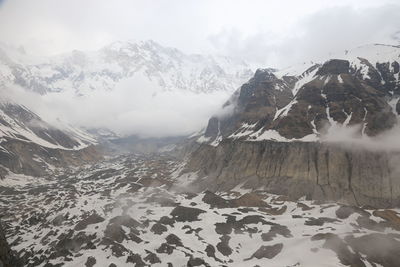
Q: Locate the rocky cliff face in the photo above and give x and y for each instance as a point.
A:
(7, 257)
(315, 170)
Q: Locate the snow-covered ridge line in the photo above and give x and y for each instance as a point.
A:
(83, 72)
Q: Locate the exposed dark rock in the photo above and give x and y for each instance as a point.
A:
(246, 200)
(268, 252)
(90, 262)
(117, 249)
(125, 220)
(319, 221)
(252, 219)
(274, 211)
(7, 256)
(210, 250)
(196, 262)
(136, 260)
(390, 216)
(114, 230)
(223, 246)
(367, 223)
(165, 248)
(378, 248)
(223, 228)
(249, 200)
(274, 231)
(59, 219)
(152, 257)
(166, 221)
(256, 101)
(303, 206)
(315, 170)
(93, 218)
(215, 201)
(345, 211)
(174, 240)
(186, 214)
(334, 66)
(68, 242)
(158, 228)
(344, 254)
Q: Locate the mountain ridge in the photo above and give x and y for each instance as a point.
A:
(314, 95)
(104, 68)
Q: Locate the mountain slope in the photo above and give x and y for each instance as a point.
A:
(286, 105)
(31, 146)
(278, 136)
(20, 123)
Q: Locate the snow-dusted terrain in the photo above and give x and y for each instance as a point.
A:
(138, 211)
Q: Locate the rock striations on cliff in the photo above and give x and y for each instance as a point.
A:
(274, 131)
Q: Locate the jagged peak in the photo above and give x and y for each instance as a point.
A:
(265, 74)
(335, 67)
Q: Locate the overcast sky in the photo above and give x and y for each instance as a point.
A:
(268, 33)
(275, 33)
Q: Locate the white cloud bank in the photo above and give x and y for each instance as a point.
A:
(135, 106)
(349, 136)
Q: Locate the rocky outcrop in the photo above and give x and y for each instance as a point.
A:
(334, 66)
(255, 103)
(315, 170)
(7, 257)
(35, 160)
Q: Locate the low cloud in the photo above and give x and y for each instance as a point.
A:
(134, 107)
(350, 137)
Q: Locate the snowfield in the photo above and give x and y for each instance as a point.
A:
(125, 212)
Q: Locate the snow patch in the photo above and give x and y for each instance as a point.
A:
(283, 112)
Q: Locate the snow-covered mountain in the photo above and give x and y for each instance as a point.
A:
(83, 72)
(144, 64)
(356, 87)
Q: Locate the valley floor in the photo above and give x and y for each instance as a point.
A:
(133, 211)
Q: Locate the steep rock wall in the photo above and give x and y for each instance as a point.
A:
(315, 170)
(7, 257)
